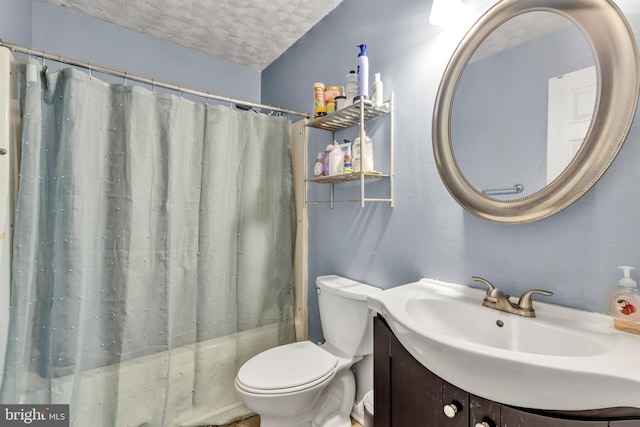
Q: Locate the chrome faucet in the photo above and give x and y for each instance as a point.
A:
(497, 300)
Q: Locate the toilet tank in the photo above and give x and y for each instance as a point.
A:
(345, 316)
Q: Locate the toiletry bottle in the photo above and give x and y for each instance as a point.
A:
(377, 92)
(625, 303)
(325, 164)
(363, 72)
(318, 91)
(330, 94)
(351, 87)
(348, 158)
(363, 153)
(318, 165)
(336, 160)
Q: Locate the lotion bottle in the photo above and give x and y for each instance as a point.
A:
(625, 303)
(377, 92)
(348, 158)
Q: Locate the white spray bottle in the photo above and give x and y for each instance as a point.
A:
(363, 72)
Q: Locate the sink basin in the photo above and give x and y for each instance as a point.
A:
(479, 325)
(563, 359)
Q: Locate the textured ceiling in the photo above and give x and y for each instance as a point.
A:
(518, 30)
(247, 32)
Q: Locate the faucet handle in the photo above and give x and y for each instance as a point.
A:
(490, 288)
(525, 300)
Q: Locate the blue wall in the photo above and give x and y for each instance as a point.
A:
(574, 253)
(59, 30)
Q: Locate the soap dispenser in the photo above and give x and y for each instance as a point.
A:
(625, 303)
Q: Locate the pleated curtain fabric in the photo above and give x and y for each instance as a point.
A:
(152, 251)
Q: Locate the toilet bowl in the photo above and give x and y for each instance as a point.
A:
(307, 385)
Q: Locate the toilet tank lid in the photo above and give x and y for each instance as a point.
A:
(344, 287)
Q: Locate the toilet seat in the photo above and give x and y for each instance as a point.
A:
(286, 369)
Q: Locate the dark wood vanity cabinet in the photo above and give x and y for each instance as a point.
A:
(406, 394)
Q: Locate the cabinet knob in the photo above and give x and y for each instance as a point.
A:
(483, 424)
(450, 410)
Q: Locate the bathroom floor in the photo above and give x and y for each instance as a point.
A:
(255, 422)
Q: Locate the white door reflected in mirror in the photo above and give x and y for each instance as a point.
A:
(572, 99)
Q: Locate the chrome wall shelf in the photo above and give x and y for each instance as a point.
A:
(355, 176)
(350, 116)
(354, 115)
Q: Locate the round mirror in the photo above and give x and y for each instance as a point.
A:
(534, 105)
(506, 114)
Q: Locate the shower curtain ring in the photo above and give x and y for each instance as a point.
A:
(153, 85)
(124, 79)
(180, 91)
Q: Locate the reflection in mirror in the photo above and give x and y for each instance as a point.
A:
(523, 105)
(467, 152)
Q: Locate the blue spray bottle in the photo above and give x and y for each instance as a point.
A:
(363, 72)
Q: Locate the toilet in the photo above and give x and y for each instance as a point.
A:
(307, 385)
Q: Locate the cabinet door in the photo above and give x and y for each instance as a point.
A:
(416, 394)
(408, 395)
(381, 374)
(514, 418)
(483, 411)
(626, 423)
(452, 395)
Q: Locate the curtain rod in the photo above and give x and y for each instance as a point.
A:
(153, 82)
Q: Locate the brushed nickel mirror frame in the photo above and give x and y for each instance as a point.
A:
(618, 68)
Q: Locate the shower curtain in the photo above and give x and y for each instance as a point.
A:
(152, 251)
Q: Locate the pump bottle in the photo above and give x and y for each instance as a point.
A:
(625, 303)
(363, 72)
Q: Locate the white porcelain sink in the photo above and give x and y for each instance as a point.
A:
(477, 324)
(563, 359)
